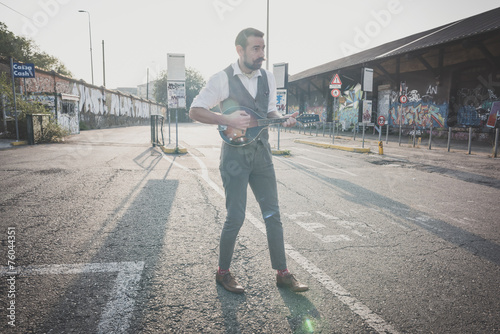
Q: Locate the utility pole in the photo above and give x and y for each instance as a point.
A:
(267, 38)
(90, 36)
(103, 66)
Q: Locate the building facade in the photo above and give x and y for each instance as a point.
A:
(448, 76)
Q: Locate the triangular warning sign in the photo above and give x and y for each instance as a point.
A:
(336, 80)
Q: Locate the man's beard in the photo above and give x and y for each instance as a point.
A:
(255, 65)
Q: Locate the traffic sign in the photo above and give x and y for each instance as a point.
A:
(403, 99)
(336, 82)
(335, 92)
(381, 120)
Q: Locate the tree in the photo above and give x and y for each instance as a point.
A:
(194, 83)
(26, 51)
(52, 130)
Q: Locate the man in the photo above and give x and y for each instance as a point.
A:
(245, 84)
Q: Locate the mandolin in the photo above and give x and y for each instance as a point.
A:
(238, 137)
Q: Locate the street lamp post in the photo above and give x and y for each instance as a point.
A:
(90, 35)
(267, 38)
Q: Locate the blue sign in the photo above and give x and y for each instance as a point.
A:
(23, 70)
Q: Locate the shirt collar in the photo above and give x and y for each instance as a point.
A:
(238, 71)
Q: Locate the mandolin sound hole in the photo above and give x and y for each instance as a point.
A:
(240, 140)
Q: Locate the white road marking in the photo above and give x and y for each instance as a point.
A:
(310, 227)
(326, 215)
(119, 308)
(332, 237)
(336, 156)
(329, 166)
(314, 167)
(297, 215)
(371, 318)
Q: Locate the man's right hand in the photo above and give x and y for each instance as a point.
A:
(238, 120)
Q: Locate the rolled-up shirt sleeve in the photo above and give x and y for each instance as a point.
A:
(215, 91)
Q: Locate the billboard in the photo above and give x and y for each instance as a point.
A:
(23, 70)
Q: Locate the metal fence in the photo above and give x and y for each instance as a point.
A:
(157, 130)
(36, 126)
(416, 136)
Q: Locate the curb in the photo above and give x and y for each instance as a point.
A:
(19, 143)
(175, 150)
(280, 152)
(337, 147)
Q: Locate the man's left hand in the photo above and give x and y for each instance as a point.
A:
(291, 121)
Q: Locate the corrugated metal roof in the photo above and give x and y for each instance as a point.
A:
(474, 25)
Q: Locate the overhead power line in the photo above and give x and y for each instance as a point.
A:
(12, 9)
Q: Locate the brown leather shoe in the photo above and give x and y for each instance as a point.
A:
(229, 283)
(291, 282)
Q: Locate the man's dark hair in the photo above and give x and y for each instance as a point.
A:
(242, 38)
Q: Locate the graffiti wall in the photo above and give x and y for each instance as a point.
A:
(419, 114)
(317, 110)
(316, 104)
(349, 106)
(473, 99)
(95, 107)
(421, 101)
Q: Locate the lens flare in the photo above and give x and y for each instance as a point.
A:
(308, 326)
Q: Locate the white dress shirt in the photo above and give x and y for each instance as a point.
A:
(217, 88)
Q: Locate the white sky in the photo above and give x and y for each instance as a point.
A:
(139, 34)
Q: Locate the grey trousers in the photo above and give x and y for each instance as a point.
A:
(239, 167)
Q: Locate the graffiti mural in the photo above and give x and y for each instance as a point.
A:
(421, 110)
(349, 106)
(472, 101)
(293, 108)
(95, 107)
(474, 106)
(384, 98)
(318, 110)
(420, 114)
(91, 99)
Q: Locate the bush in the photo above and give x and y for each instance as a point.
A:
(52, 131)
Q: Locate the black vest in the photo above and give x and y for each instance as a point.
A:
(239, 96)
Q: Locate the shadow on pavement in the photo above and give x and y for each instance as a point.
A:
(110, 299)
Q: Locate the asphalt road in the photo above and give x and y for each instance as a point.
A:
(105, 234)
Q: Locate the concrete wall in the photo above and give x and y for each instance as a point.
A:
(95, 107)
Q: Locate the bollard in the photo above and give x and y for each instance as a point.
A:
(449, 138)
(380, 147)
(387, 134)
(333, 136)
(414, 134)
(363, 144)
(279, 127)
(470, 140)
(430, 138)
(496, 143)
(399, 133)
